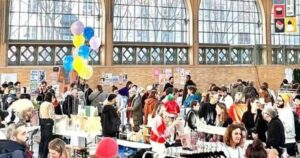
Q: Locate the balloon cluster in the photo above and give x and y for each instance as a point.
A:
(78, 62)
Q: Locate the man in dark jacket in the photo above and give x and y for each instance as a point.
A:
(188, 83)
(275, 132)
(15, 146)
(110, 120)
(70, 105)
(170, 83)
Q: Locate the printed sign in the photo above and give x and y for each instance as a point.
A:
(290, 24)
(279, 25)
(279, 11)
(290, 8)
(279, 1)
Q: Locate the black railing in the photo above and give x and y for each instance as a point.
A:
(285, 55)
(229, 55)
(150, 54)
(19, 53)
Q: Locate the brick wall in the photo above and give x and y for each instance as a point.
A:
(202, 75)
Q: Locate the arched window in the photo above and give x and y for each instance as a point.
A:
(144, 22)
(34, 21)
(150, 21)
(229, 22)
(285, 46)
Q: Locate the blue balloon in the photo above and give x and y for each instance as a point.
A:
(84, 51)
(88, 33)
(68, 63)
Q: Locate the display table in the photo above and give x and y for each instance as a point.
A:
(135, 145)
(69, 133)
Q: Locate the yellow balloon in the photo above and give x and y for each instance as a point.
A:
(86, 73)
(79, 63)
(78, 40)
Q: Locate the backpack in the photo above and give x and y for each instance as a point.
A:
(5, 153)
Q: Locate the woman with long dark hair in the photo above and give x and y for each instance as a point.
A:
(253, 120)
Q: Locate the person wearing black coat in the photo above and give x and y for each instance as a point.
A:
(208, 110)
(254, 122)
(110, 120)
(169, 84)
(70, 104)
(275, 130)
(46, 124)
(192, 117)
(15, 149)
(188, 83)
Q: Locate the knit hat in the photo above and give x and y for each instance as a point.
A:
(170, 97)
(107, 148)
(285, 97)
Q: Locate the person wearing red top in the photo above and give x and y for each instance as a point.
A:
(297, 105)
(159, 130)
(171, 105)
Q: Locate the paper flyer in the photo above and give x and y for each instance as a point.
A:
(176, 76)
(182, 80)
(115, 79)
(161, 79)
(182, 73)
(290, 24)
(36, 77)
(168, 73)
(188, 72)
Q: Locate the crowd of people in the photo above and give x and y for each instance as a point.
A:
(270, 121)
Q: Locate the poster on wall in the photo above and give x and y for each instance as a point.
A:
(279, 25)
(279, 1)
(279, 11)
(176, 76)
(162, 79)
(168, 73)
(36, 76)
(290, 24)
(9, 77)
(109, 79)
(290, 8)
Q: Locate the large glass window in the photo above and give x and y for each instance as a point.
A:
(150, 21)
(292, 38)
(36, 21)
(285, 46)
(51, 19)
(235, 22)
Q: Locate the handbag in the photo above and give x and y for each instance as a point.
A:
(189, 137)
(187, 129)
(150, 120)
(61, 123)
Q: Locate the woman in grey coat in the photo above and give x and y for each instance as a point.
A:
(97, 97)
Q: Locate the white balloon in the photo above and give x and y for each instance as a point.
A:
(95, 43)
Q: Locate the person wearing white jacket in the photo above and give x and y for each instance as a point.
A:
(286, 116)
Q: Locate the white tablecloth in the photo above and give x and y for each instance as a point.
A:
(135, 145)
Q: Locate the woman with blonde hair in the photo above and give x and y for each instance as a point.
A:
(57, 149)
(46, 124)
